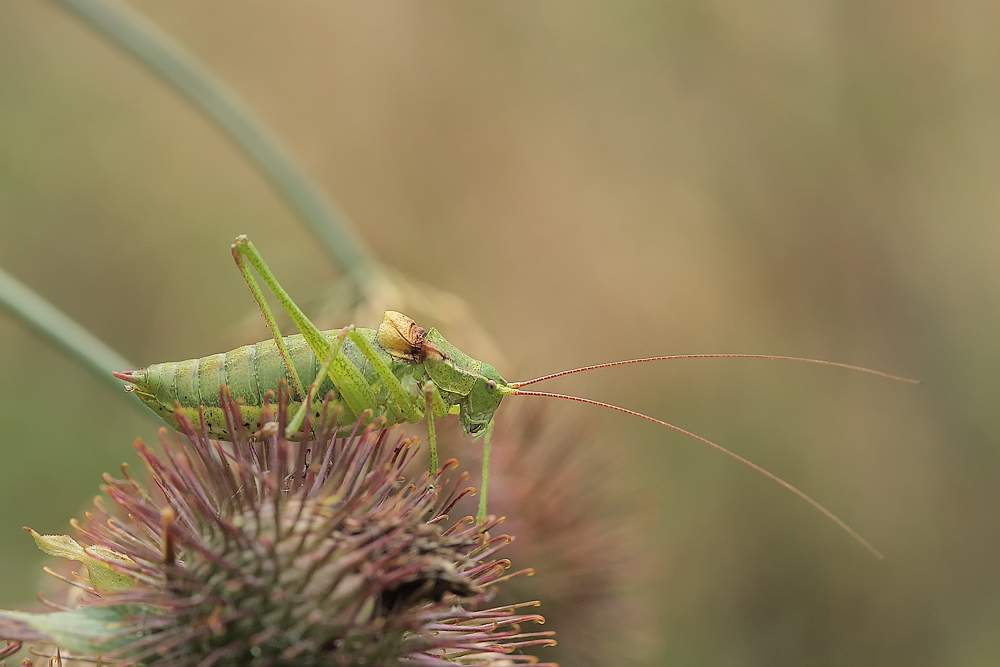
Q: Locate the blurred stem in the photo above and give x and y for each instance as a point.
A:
(64, 333)
(157, 50)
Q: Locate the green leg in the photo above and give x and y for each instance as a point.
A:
(481, 516)
(409, 405)
(347, 378)
(241, 247)
(429, 390)
(296, 423)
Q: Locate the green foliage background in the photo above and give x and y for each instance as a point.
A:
(599, 181)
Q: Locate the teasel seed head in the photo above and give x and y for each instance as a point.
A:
(268, 552)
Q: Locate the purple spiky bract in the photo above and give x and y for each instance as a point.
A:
(268, 552)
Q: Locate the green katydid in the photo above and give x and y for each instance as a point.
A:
(400, 372)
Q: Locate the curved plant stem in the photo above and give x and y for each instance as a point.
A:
(141, 38)
(63, 332)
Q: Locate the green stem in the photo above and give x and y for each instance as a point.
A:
(144, 40)
(63, 332)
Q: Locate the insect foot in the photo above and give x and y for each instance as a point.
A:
(246, 554)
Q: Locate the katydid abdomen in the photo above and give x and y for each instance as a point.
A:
(251, 372)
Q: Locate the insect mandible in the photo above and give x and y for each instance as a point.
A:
(400, 372)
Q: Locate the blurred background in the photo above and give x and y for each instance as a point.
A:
(597, 181)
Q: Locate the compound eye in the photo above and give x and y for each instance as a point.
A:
(491, 384)
(476, 428)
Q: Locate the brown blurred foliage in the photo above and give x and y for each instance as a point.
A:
(598, 181)
(575, 526)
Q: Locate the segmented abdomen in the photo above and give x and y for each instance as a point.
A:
(250, 372)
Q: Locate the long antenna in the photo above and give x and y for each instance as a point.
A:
(830, 515)
(821, 362)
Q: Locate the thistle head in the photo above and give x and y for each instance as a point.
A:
(267, 552)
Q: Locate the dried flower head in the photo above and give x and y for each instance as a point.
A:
(266, 552)
(580, 529)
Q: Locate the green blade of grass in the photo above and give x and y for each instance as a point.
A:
(63, 332)
(144, 40)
